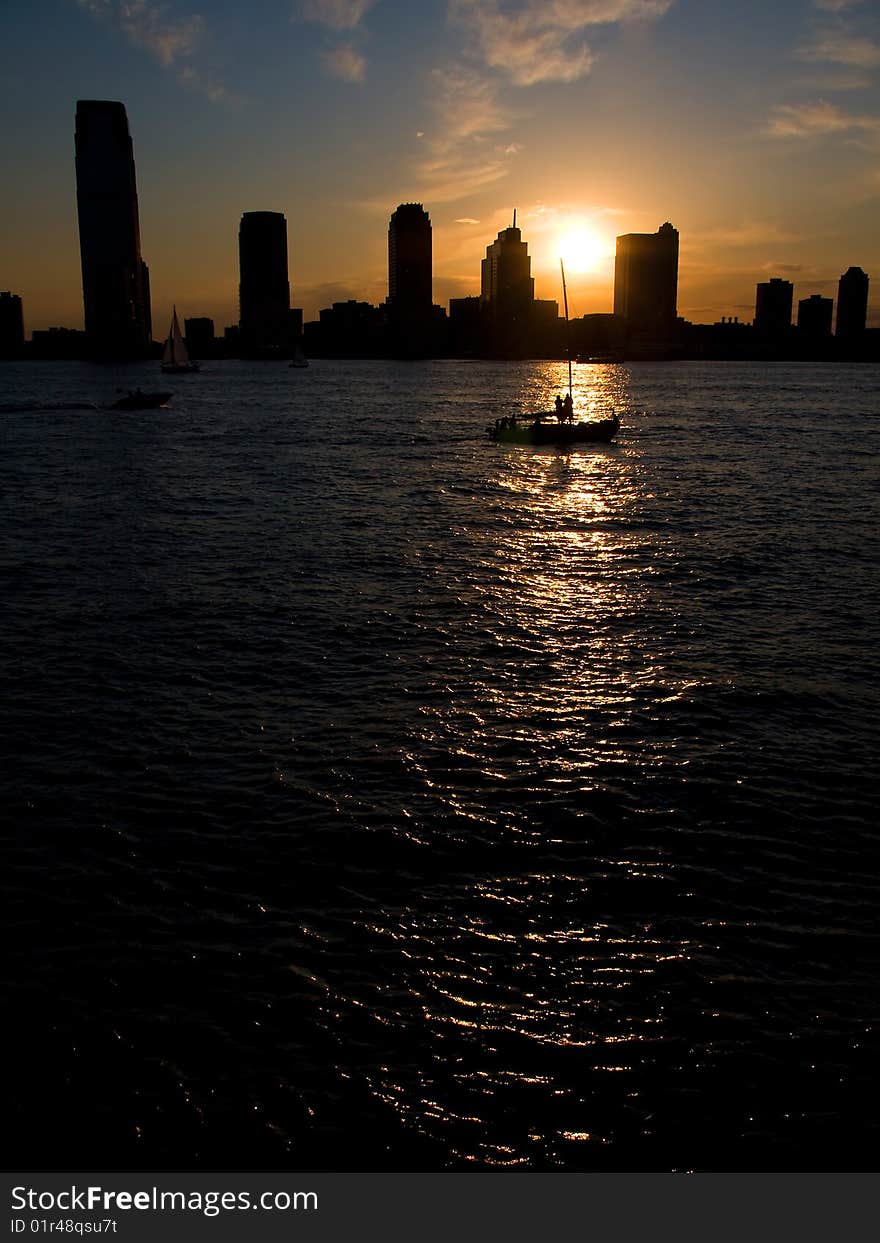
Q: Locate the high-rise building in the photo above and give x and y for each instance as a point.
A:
(646, 282)
(11, 325)
(116, 288)
(508, 293)
(409, 280)
(409, 258)
(264, 291)
(773, 302)
(814, 316)
(199, 333)
(852, 304)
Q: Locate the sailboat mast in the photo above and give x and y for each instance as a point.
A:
(567, 332)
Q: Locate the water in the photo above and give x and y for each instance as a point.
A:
(383, 798)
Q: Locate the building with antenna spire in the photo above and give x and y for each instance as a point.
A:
(507, 294)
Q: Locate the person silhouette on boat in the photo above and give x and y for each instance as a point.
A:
(560, 408)
(568, 408)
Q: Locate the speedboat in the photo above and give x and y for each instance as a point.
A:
(141, 401)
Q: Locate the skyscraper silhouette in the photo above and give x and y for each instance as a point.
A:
(409, 280)
(773, 301)
(11, 325)
(646, 282)
(264, 291)
(852, 304)
(116, 287)
(508, 293)
(814, 316)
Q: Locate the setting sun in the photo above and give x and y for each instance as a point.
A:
(581, 252)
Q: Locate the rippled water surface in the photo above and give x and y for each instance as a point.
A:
(382, 798)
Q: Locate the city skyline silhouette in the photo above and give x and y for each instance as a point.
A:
(754, 133)
(506, 319)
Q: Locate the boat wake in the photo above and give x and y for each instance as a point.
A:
(38, 407)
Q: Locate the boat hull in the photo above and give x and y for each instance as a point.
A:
(141, 401)
(557, 435)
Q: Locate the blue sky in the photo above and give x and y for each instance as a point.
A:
(754, 128)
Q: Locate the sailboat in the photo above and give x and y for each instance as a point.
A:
(533, 430)
(299, 358)
(176, 356)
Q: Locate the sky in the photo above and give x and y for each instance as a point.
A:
(753, 127)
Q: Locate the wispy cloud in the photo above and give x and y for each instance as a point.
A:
(343, 60)
(817, 119)
(505, 43)
(346, 62)
(169, 37)
(531, 41)
(461, 154)
(835, 6)
(836, 80)
(748, 234)
(335, 14)
(466, 104)
(841, 48)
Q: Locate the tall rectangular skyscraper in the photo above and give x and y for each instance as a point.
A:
(646, 282)
(852, 304)
(116, 289)
(11, 325)
(264, 291)
(773, 302)
(409, 280)
(814, 317)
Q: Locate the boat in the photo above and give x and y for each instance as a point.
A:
(176, 357)
(534, 430)
(546, 427)
(604, 356)
(136, 400)
(299, 358)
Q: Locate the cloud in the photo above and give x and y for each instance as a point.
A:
(749, 234)
(839, 80)
(205, 84)
(458, 157)
(836, 6)
(151, 26)
(344, 60)
(466, 105)
(533, 41)
(841, 49)
(347, 63)
(817, 119)
(336, 14)
(170, 39)
(466, 220)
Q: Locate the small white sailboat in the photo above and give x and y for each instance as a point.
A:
(299, 358)
(176, 356)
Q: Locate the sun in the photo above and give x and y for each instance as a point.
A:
(581, 251)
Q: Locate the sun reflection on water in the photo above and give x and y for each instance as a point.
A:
(516, 974)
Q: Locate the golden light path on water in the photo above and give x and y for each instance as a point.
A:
(395, 799)
(516, 984)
